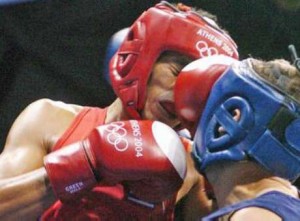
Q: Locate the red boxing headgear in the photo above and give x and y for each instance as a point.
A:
(162, 28)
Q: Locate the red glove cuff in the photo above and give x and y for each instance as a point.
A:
(69, 171)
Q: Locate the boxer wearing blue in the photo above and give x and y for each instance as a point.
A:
(246, 136)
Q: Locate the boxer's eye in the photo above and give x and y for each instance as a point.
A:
(174, 69)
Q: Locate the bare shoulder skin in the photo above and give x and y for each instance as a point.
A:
(254, 213)
(33, 134)
(22, 174)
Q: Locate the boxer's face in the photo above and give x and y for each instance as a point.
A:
(160, 97)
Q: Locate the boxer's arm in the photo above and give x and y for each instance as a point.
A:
(24, 191)
(24, 149)
(23, 188)
(25, 196)
(195, 204)
(192, 199)
(32, 134)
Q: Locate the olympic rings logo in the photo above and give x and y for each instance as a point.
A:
(204, 50)
(116, 136)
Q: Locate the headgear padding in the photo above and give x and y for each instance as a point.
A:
(267, 131)
(161, 28)
(113, 45)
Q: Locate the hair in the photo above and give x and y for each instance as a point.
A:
(209, 17)
(281, 74)
(199, 11)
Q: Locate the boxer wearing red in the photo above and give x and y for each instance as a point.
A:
(143, 93)
(102, 202)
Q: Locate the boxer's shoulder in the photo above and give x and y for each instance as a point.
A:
(47, 109)
(45, 104)
(43, 121)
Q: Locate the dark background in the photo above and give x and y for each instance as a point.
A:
(55, 49)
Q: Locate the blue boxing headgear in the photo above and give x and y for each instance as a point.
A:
(267, 131)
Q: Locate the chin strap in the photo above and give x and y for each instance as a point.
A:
(294, 56)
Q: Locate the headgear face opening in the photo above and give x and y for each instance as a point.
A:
(161, 28)
(267, 132)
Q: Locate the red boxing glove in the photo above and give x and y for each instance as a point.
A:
(147, 157)
(199, 76)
